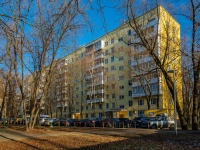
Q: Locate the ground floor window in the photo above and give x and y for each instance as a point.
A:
(141, 113)
(130, 113)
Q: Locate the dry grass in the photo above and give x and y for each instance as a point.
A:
(87, 138)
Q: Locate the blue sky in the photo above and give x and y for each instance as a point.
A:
(113, 18)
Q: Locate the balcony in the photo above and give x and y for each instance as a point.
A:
(137, 83)
(96, 83)
(95, 92)
(99, 56)
(99, 65)
(95, 75)
(98, 45)
(95, 100)
(136, 95)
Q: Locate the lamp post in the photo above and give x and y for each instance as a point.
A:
(175, 116)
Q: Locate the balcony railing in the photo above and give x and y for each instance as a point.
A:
(99, 56)
(95, 92)
(95, 75)
(95, 84)
(135, 95)
(99, 100)
(138, 83)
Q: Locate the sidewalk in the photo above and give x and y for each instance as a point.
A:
(11, 134)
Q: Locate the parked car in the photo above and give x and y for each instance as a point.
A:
(136, 122)
(81, 122)
(145, 123)
(124, 122)
(49, 121)
(59, 122)
(110, 122)
(3, 120)
(94, 122)
(161, 122)
(70, 122)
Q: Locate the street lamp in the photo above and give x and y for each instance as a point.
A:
(175, 117)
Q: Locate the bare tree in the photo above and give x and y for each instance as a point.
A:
(141, 26)
(191, 12)
(36, 39)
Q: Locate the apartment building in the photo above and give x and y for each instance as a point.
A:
(114, 76)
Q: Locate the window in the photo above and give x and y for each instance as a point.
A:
(121, 77)
(121, 96)
(93, 107)
(106, 69)
(81, 55)
(113, 86)
(121, 68)
(77, 110)
(107, 96)
(86, 107)
(141, 113)
(130, 103)
(140, 102)
(77, 95)
(113, 95)
(106, 61)
(129, 82)
(106, 52)
(129, 62)
(121, 87)
(100, 106)
(107, 105)
(121, 106)
(112, 41)
(106, 43)
(130, 113)
(77, 103)
(77, 88)
(112, 50)
(153, 101)
(129, 32)
(154, 86)
(113, 105)
(121, 58)
(86, 115)
(152, 20)
(112, 59)
(100, 115)
(129, 93)
(120, 39)
(112, 68)
(112, 77)
(136, 36)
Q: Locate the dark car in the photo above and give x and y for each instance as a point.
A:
(70, 122)
(136, 122)
(81, 122)
(60, 122)
(110, 122)
(124, 122)
(94, 122)
(145, 122)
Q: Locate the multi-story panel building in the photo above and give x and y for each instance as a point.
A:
(114, 76)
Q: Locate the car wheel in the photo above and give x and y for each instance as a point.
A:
(154, 126)
(171, 127)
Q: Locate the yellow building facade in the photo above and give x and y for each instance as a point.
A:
(114, 76)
